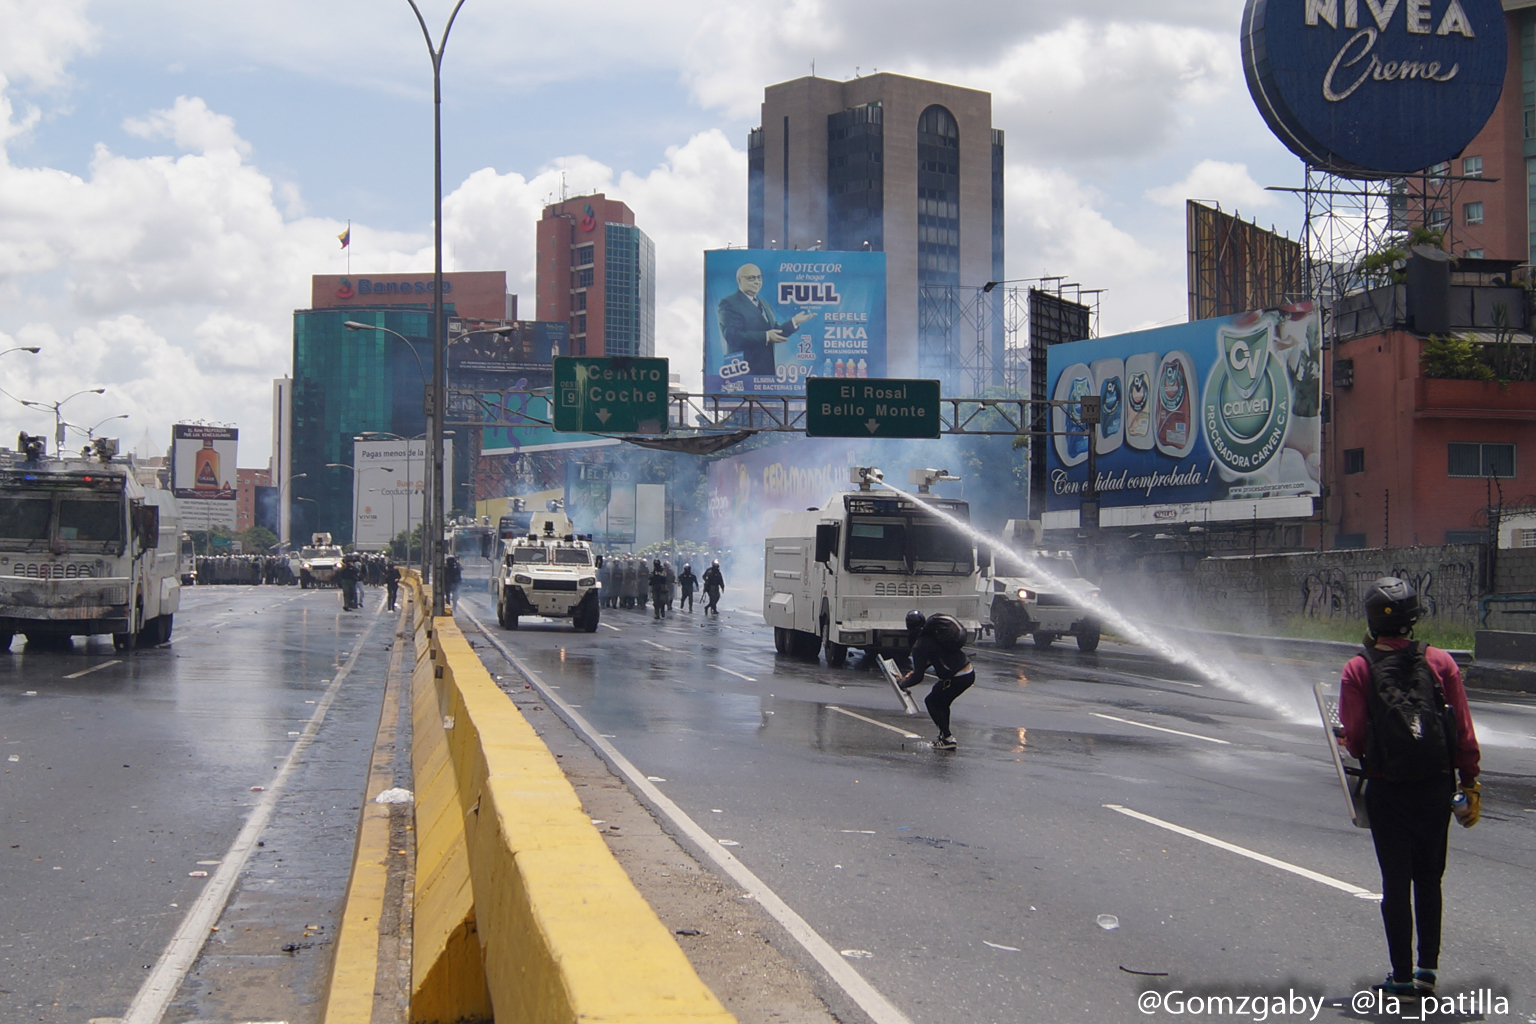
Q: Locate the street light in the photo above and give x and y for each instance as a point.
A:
(285, 511)
(22, 348)
(90, 432)
(58, 418)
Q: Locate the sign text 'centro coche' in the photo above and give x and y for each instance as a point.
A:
(1388, 86)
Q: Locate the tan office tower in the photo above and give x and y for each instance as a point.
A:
(905, 166)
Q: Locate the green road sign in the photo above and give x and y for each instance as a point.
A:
(610, 395)
(872, 407)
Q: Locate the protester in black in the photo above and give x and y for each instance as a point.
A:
(933, 645)
(1404, 713)
(392, 583)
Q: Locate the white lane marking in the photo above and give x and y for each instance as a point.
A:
(731, 672)
(880, 1009)
(93, 668)
(1353, 890)
(605, 625)
(1159, 728)
(155, 995)
(653, 643)
(871, 721)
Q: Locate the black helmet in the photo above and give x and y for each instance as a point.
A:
(915, 621)
(1391, 607)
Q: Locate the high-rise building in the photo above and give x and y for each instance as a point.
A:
(901, 165)
(597, 272)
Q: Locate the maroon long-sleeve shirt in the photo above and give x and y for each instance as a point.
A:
(1356, 684)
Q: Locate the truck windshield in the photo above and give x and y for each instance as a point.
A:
(24, 519)
(906, 544)
(572, 556)
(529, 556)
(90, 520)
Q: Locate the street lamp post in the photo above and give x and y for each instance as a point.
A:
(285, 511)
(439, 341)
(58, 417)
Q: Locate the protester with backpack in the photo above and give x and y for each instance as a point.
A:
(1404, 714)
(938, 641)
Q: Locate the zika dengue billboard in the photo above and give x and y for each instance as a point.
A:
(773, 317)
(203, 476)
(1221, 410)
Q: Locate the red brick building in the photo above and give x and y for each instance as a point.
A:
(246, 482)
(597, 272)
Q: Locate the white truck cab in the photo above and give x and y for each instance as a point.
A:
(85, 549)
(1043, 597)
(318, 562)
(846, 575)
(549, 571)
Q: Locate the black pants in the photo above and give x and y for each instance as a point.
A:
(687, 599)
(714, 599)
(943, 695)
(658, 603)
(1409, 822)
(394, 590)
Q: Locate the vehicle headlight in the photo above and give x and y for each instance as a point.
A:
(587, 581)
(1024, 595)
(526, 581)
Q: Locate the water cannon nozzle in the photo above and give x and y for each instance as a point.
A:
(923, 479)
(865, 476)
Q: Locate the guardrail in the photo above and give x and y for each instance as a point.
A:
(521, 912)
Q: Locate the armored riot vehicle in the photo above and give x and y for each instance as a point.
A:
(549, 571)
(1039, 593)
(319, 561)
(85, 548)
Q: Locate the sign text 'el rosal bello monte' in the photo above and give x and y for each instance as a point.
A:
(610, 395)
(871, 407)
(1388, 86)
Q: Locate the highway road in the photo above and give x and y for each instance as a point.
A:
(1110, 825)
(128, 779)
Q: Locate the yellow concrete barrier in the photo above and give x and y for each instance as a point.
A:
(521, 912)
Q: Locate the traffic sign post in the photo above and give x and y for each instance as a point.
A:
(871, 407)
(610, 395)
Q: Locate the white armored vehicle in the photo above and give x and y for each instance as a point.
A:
(85, 549)
(1043, 597)
(548, 571)
(847, 574)
(318, 562)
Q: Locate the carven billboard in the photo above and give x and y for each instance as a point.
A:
(773, 317)
(1210, 420)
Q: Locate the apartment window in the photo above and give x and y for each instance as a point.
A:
(1481, 460)
(1525, 538)
(1474, 254)
(1472, 212)
(578, 301)
(1439, 171)
(1472, 166)
(579, 323)
(1354, 460)
(582, 278)
(583, 257)
(1437, 220)
(1464, 536)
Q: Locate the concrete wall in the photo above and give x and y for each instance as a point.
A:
(1330, 584)
(1515, 573)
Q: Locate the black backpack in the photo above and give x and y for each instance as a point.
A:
(947, 631)
(1413, 736)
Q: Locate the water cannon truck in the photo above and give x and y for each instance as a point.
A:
(844, 576)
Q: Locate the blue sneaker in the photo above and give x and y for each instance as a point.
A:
(1424, 981)
(1401, 989)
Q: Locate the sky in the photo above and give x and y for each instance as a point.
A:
(171, 173)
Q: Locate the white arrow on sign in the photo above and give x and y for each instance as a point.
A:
(872, 425)
(603, 415)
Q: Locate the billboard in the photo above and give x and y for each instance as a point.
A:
(600, 497)
(1236, 265)
(389, 489)
(203, 475)
(773, 317)
(1204, 421)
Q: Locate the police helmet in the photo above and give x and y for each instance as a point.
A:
(915, 621)
(1391, 607)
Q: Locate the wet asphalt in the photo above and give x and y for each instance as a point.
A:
(977, 885)
(125, 774)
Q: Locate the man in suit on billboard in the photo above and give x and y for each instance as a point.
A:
(749, 325)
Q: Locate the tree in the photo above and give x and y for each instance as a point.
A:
(257, 538)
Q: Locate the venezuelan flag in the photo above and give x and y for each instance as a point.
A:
(345, 237)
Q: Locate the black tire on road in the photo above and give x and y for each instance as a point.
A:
(5, 641)
(511, 622)
(1044, 640)
(120, 641)
(1005, 626)
(781, 639)
(1088, 638)
(837, 654)
(804, 645)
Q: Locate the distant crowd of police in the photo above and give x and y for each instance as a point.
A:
(630, 582)
(276, 570)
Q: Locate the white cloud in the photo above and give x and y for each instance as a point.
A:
(192, 126)
(1212, 180)
(40, 39)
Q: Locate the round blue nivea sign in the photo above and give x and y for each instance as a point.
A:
(1387, 86)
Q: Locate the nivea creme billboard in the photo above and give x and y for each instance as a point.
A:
(1215, 410)
(1390, 86)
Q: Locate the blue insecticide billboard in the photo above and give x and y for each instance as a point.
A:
(773, 317)
(1392, 86)
(1197, 420)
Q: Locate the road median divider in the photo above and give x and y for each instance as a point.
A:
(521, 912)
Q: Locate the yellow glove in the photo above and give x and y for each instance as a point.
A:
(1474, 809)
